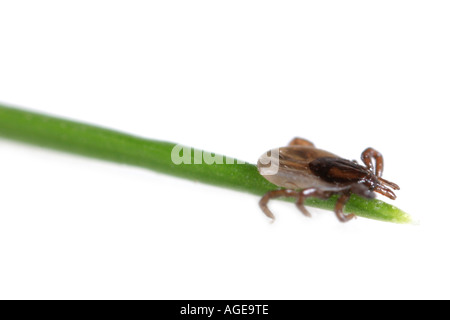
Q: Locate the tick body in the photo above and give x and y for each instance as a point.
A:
(304, 171)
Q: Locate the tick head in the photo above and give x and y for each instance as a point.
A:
(380, 185)
(385, 187)
(376, 184)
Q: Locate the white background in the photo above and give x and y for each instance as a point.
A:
(237, 78)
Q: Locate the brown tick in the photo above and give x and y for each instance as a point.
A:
(305, 171)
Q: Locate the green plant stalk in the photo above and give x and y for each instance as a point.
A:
(92, 141)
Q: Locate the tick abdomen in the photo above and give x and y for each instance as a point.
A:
(293, 167)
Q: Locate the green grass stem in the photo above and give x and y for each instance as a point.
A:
(101, 143)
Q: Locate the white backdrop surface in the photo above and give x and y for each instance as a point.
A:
(237, 78)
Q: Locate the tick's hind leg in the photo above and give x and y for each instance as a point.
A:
(300, 142)
(272, 195)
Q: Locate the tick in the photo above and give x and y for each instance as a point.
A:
(304, 171)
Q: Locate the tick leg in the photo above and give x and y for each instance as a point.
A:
(339, 208)
(275, 194)
(310, 192)
(302, 195)
(300, 142)
(386, 192)
(367, 156)
(389, 184)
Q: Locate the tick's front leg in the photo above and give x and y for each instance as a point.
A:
(272, 195)
(367, 156)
